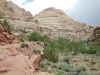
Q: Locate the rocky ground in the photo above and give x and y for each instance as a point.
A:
(16, 60)
(79, 64)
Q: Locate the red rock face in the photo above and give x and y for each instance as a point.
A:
(5, 36)
(15, 62)
(36, 59)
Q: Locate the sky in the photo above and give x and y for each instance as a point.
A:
(35, 6)
(87, 11)
(81, 10)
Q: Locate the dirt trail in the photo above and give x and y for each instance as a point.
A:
(15, 60)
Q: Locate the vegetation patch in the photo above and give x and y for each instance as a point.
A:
(55, 57)
(9, 27)
(35, 36)
(24, 45)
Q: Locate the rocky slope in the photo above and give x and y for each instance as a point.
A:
(51, 21)
(56, 23)
(15, 62)
(16, 16)
(5, 36)
(11, 11)
(15, 59)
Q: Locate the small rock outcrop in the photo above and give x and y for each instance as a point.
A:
(5, 36)
(95, 33)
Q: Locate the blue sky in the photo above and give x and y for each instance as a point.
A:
(27, 1)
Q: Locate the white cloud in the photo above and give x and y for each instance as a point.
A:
(38, 5)
(18, 2)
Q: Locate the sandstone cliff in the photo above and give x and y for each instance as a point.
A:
(16, 16)
(56, 23)
(52, 22)
(9, 10)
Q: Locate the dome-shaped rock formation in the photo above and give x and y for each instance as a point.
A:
(56, 23)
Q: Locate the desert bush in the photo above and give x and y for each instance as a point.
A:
(64, 66)
(37, 51)
(24, 45)
(9, 27)
(81, 47)
(53, 48)
(36, 36)
(93, 48)
(63, 45)
(77, 47)
(59, 72)
(50, 53)
(45, 38)
(78, 69)
(43, 63)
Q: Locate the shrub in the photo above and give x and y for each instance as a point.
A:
(37, 51)
(24, 45)
(63, 46)
(77, 47)
(53, 48)
(51, 55)
(56, 47)
(45, 38)
(79, 69)
(36, 36)
(64, 66)
(59, 72)
(43, 63)
(9, 27)
(93, 48)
